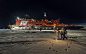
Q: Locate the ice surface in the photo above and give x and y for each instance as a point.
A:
(10, 42)
(19, 35)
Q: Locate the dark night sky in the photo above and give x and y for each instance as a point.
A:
(69, 11)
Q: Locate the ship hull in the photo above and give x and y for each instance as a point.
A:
(20, 28)
(47, 28)
(66, 27)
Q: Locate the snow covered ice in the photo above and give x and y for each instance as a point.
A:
(40, 42)
(19, 35)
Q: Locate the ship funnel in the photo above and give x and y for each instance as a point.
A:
(45, 15)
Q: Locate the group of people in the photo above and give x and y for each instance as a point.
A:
(61, 33)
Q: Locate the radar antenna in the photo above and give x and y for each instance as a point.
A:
(27, 16)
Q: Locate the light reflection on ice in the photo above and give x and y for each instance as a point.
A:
(4, 29)
(75, 34)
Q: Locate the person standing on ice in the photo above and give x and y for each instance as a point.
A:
(54, 26)
(63, 32)
(57, 33)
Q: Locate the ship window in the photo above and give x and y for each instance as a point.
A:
(50, 23)
(20, 26)
(37, 24)
(40, 24)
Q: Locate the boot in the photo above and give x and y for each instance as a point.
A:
(63, 37)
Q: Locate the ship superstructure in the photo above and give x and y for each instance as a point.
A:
(35, 24)
(22, 24)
